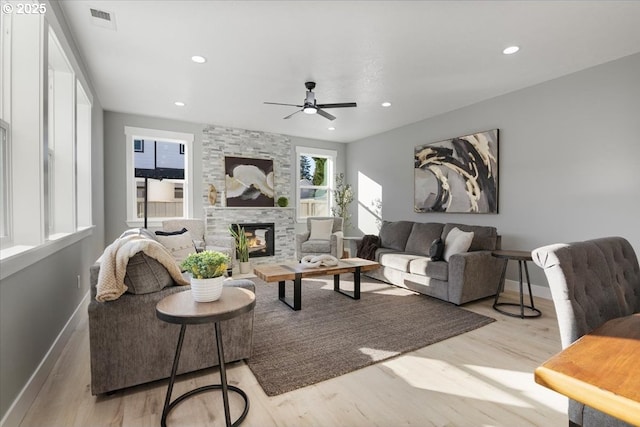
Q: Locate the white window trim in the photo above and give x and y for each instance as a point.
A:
(164, 135)
(318, 152)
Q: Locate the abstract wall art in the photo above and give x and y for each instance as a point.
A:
(458, 175)
(248, 182)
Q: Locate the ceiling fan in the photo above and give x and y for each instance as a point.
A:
(310, 107)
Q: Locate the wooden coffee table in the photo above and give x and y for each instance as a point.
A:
(296, 272)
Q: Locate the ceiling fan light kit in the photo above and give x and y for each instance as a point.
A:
(311, 107)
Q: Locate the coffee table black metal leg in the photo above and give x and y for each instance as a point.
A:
(356, 285)
(297, 293)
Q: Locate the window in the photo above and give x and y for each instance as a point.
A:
(5, 195)
(314, 181)
(45, 142)
(159, 163)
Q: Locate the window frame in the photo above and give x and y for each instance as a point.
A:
(133, 133)
(6, 235)
(331, 156)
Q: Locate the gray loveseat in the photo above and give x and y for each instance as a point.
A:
(404, 261)
(129, 345)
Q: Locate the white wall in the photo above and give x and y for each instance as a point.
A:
(569, 153)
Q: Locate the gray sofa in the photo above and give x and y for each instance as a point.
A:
(404, 261)
(129, 345)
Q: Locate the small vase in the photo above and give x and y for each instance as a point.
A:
(206, 290)
(245, 267)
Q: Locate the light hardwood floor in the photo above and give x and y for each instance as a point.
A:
(481, 378)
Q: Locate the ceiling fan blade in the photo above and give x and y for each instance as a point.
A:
(292, 114)
(278, 103)
(325, 114)
(340, 105)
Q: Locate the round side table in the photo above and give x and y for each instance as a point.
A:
(522, 257)
(180, 308)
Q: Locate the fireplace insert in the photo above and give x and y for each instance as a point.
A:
(260, 237)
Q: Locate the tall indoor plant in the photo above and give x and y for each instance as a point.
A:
(242, 248)
(207, 270)
(343, 196)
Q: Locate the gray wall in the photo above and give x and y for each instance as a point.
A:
(115, 167)
(569, 157)
(36, 302)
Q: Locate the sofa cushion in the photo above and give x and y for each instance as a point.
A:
(394, 234)
(436, 251)
(457, 242)
(427, 267)
(421, 237)
(397, 260)
(171, 233)
(145, 275)
(485, 238)
(316, 246)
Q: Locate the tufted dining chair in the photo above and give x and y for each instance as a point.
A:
(591, 282)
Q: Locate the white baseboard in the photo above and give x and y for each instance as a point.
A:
(537, 290)
(27, 395)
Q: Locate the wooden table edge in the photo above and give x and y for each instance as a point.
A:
(603, 400)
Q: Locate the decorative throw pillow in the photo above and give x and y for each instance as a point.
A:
(180, 245)
(321, 229)
(145, 275)
(436, 250)
(457, 242)
(171, 233)
(143, 232)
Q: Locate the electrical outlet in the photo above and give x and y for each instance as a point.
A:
(78, 281)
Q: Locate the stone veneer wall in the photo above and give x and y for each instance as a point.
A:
(218, 142)
(218, 221)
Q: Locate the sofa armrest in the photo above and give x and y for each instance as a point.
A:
(337, 244)
(473, 275)
(300, 239)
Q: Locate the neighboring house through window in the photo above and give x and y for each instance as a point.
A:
(159, 164)
(314, 180)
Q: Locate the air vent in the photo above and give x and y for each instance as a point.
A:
(102, 18)
(101, 14)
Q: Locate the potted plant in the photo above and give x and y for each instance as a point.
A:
(283, 202)
(207, 270)
(343, 196)
(242, 248)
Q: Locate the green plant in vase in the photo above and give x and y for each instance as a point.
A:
(343, 196)
(242, 246)
(206, 264)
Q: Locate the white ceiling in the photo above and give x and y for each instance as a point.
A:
(426, 57)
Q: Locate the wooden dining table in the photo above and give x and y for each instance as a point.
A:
(601, 369)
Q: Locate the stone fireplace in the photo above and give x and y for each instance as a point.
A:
(219, 219)
(260, 237)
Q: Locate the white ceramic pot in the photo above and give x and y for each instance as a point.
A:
(245, 267)
(206, 290)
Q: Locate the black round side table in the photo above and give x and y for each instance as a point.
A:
(180, 308)
(522, 257)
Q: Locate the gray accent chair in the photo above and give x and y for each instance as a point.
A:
(591, 282)
(129, 345)
(334, 246)
(196, 227)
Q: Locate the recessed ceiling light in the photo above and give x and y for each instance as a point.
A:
(331, 128)
(511, 50)
(199, 59)
(386, 104)
(179, 104)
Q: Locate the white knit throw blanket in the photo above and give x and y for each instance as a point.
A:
(115, 258)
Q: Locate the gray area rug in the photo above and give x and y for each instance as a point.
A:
(333, 334)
